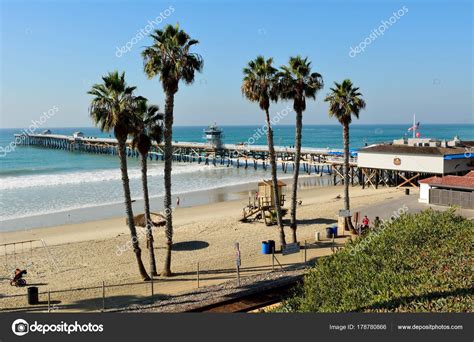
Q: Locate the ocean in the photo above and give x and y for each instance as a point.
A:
(36, 181)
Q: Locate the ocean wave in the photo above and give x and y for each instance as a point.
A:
(30, 211)
(92, 176)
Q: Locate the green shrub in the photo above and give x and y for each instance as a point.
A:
(418, 263)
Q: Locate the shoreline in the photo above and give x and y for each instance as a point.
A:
(325, 197)
(116, 210)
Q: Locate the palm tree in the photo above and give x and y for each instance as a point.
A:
(111, 109)
(260, 84)
(170, 59)
(148, 127)
(298, 83)
(345, 101)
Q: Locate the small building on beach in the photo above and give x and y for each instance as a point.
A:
(448, 190)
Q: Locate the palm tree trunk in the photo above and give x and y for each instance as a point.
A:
(273, 164)
(149, 232)
(168, 151)
(345, 133)
(128, 208)
(294, 194)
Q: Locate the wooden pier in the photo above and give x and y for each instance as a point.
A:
(313, 160)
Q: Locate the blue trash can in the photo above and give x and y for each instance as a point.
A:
(329, 232)
(266, 247)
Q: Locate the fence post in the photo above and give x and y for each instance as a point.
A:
(49, 300)
(238, 276)
(198, 274)
(103, 295)
(305, 251)
(273, 259)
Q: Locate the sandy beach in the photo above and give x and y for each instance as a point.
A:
(85, 254)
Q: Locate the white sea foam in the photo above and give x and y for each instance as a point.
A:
(96, 176)
(62, 206)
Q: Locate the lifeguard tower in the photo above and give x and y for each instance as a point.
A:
(263, 203)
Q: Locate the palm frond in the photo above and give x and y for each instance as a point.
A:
(345, 101)
(170, 59)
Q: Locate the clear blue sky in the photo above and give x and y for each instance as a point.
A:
(53, 51)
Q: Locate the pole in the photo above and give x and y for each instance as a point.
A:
(152, 289)
(238, 276)
(103, 295)
(305, 251)
(198, 274)
(49, 301)
(273, 259)
(414, 123)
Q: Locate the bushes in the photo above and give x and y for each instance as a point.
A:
(420, 262)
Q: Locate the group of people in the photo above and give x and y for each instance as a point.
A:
(366, 223)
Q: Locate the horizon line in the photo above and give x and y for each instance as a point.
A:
(253, 125)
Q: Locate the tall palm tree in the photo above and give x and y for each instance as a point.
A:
(170, 59)
(298, 83)
(260, 84)
(148, 128)
(111, 109)
(345, 101)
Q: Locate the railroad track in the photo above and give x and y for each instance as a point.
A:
(250, 301)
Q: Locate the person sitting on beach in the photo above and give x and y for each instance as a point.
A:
(18, 278)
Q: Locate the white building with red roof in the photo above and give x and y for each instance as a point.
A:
(448, 190)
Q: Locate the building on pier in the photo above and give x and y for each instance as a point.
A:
(213, 136)
(414, 159)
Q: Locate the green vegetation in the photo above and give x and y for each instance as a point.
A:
(418, 263)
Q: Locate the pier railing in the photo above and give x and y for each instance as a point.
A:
(313, 160)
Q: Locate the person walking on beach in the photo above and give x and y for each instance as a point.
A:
(177, 201)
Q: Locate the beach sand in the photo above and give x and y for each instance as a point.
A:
(85, 254)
